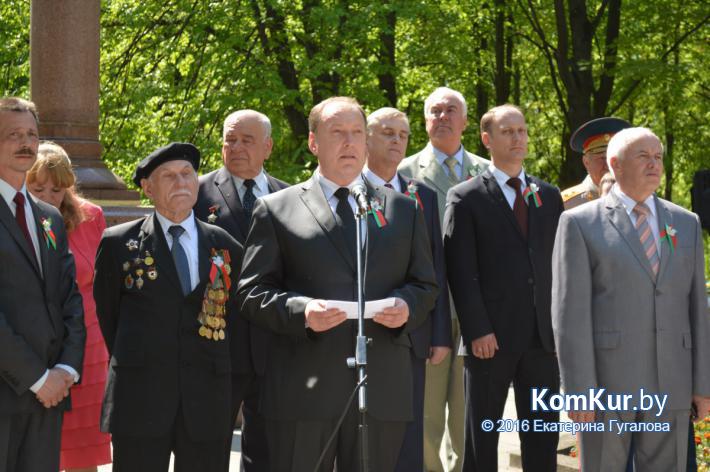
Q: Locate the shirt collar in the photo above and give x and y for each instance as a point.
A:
(8, 192)
(188, 224)
(329, 187)
(502, 178)
(262, 184)
(379, 181)
(629, 203)
(441, 156)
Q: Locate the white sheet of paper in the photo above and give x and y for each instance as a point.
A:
(350, 308)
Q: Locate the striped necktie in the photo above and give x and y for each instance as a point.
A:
(648, 241)
(451, 164)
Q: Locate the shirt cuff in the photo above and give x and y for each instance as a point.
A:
(69, 369)
(37, 385)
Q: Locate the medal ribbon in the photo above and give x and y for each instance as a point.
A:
(536, 198)
(670, 238)
(221, 271)
(379, 217)
(415, 197)
(49, 237)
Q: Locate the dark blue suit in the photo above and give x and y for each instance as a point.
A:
(436, 331)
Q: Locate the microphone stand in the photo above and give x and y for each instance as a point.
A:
(361, 341)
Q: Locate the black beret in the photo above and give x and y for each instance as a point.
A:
(171, 152)
(603, 128)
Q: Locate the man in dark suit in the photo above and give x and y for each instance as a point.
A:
(42, 330)
(226, 198)
(387, 137)
(164, 290)
(300, 255)
(499, 231)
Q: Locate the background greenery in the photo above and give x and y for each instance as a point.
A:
(172, 70)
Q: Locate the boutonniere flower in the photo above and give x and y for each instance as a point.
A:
(413, 193)
(49, 237)
(212, 315)
(669, 234)
(212, 217)
(532, 191)
(376, 212)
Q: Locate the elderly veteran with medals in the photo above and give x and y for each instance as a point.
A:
(164, 290)
(591, 140)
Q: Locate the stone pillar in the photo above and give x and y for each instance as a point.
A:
(64, 83)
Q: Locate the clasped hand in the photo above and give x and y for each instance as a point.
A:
(55, 388)
(321, 319)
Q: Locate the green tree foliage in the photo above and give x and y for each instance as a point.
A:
(172, 70)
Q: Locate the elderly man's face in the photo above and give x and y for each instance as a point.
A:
(507, 141)
(245, 146)
(339, 142)
(172, 187)
(387, 140)
(595, 163)
(445, 121)
(639, 172)
(19, 141)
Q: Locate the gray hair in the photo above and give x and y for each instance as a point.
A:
(382, 113)
(263, 119)
(619, 143)
(443, 91)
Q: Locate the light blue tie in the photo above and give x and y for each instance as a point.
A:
(180, 259)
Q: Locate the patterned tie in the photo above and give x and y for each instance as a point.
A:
(648, 241)
(451, 164)
(520, 208)
(346, 218)
(180, 259)
(22, 221)
(249, 197)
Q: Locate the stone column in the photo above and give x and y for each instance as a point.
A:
(64, 83)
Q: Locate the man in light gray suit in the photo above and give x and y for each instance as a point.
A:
(442, 164)
(629, 309)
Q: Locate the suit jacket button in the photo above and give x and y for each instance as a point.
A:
(658, 292)
(530, 280)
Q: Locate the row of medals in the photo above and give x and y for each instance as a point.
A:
(150, 271)
(212, 315)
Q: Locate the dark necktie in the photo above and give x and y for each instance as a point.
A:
(389, 185)
(180, 259)
(346, 218)
(249, 197)
(520, 209)
(22, 221)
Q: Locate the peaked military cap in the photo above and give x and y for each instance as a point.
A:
(594, 135)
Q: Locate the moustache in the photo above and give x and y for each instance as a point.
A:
(26, 151)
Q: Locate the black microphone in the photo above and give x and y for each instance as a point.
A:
(359, 193)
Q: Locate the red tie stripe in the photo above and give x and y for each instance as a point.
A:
(648, 241)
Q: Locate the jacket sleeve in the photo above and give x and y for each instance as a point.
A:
(441, 314)
(107, 290)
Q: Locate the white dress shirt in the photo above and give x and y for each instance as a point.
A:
(260, 189)
(188, 241)
(8, 194)
(380, 182)
(442, 156)
(629, 205)
(502, 179)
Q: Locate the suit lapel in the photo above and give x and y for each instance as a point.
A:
(8, 220)
(533, 211)
(314, 199)
(153, 239)
(271, 183)
(621, 221)
(205, 242)
(497, 194)
(225, 185)
(373, 237)
(664, 219)
(432, 172)
(43, 250)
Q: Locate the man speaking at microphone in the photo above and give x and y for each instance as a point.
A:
(301, 255)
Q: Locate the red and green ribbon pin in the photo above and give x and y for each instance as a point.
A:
(49, 237)
(220, 267)
(532, 190)
(669, 234)
(413, 193)
(376, 212)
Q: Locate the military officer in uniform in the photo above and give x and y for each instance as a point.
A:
(591, 140)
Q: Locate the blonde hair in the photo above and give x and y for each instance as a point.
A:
(314, 117)
(54, 164)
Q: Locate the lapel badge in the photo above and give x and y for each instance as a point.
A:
(376, 212)
(49, 236)
(212, 217)
(126, 266)
(132, 245)
(413, 193)
(148, 260)
(152, 273)
(532, 190)
(129, 282)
